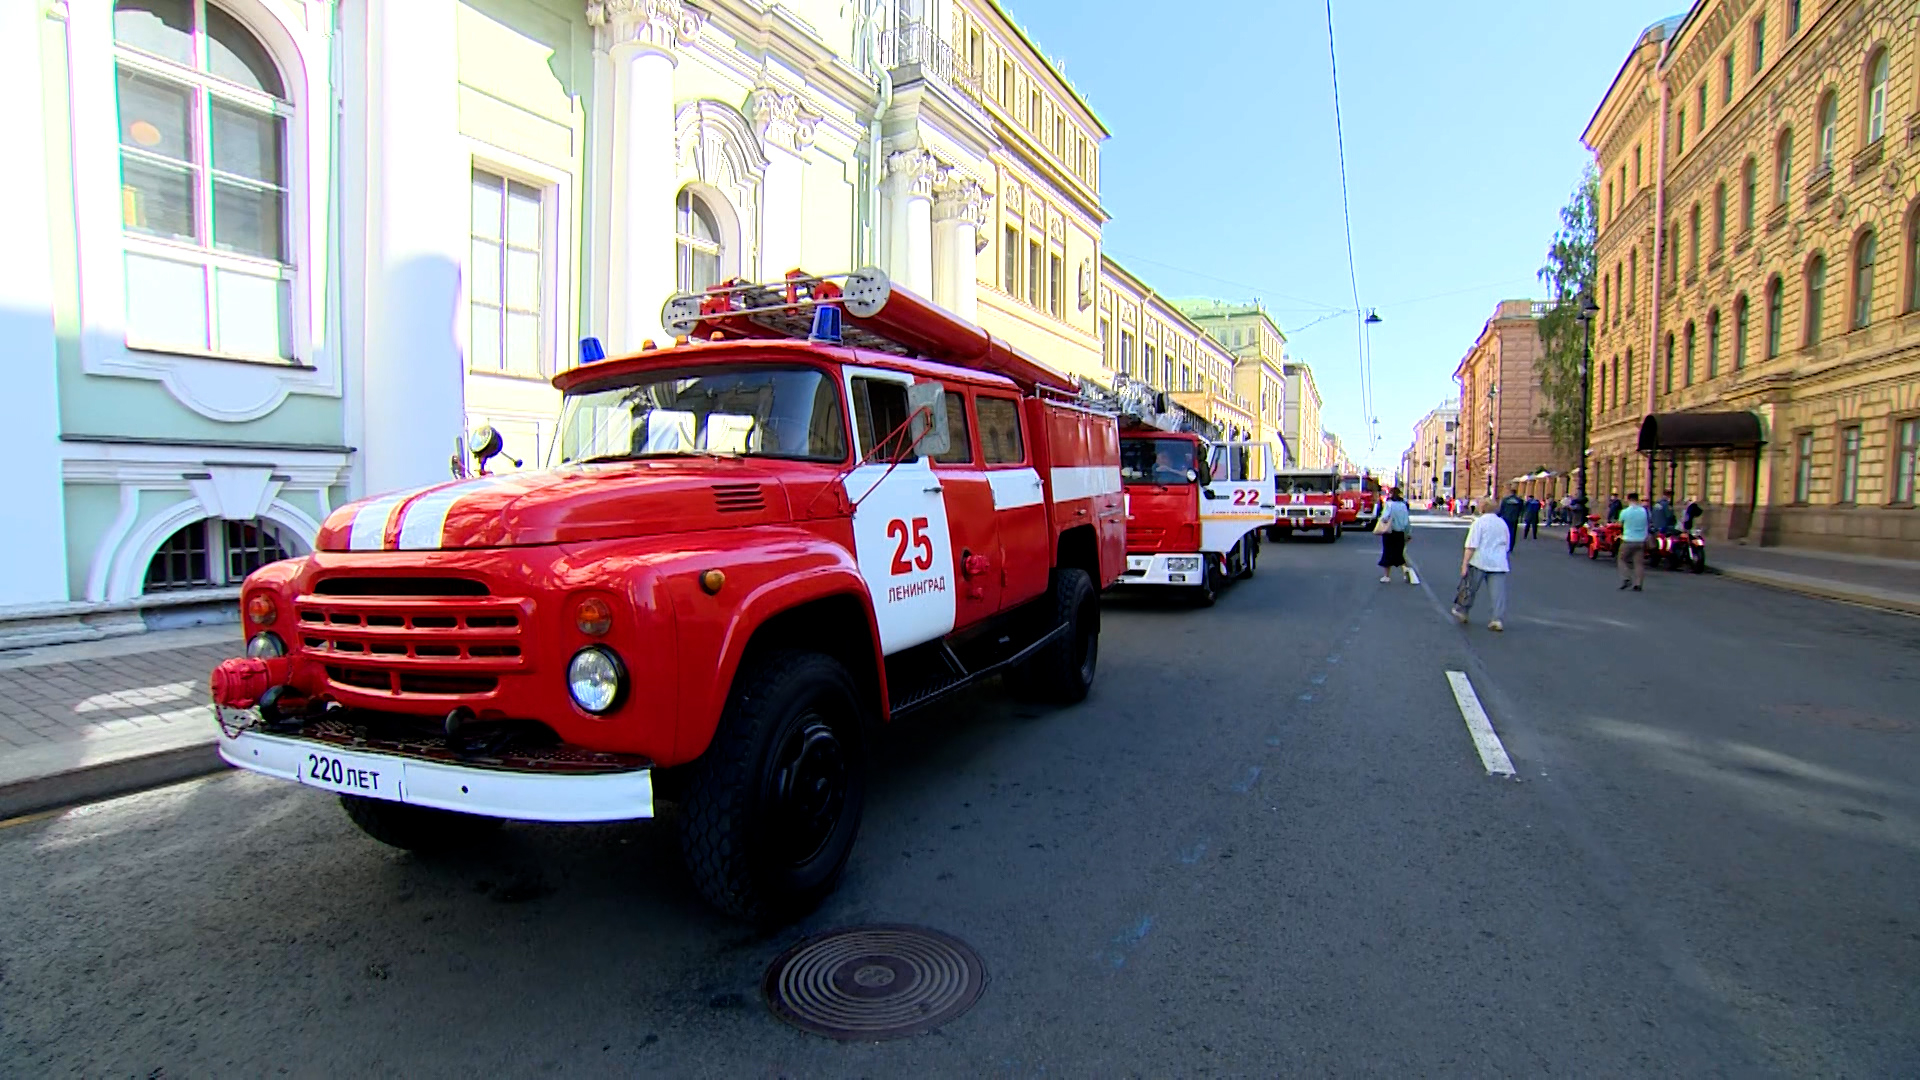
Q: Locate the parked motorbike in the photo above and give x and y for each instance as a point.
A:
(1603, 540)
(1679, 549)
(1580, 532)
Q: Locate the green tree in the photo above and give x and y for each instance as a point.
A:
(1569, 272)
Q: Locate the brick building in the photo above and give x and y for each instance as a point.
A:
(1501, 433)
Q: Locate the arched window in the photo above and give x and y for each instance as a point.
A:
(204, 113)
(1719, 218)
(1829, 126)
(1613, 402)
(1628, 380)
(1749, 191)
(1775, 302)
(1689, 367)
(1740, 332)
(212, 552)
(1600, 391)
(1670, 358)
(1816, 298)
(1713, 344)
(696, 242)
(1913, 258)
(1619, 283)
(1863, 256)
(1783, 167)
(1876, 96)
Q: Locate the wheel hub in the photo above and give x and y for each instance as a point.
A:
(809, 789)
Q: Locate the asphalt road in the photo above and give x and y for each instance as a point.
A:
(1266, 845)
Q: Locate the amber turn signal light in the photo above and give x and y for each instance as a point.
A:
(261, 610)
(712, 580)
(593, 616)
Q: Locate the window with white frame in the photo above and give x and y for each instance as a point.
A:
(213, 552)
(204, 198)
(696, 242)
(504, 283)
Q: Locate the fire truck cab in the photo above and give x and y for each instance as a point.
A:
(1304, 502)
(825, 505)
(1194, 509)
(1359, 505)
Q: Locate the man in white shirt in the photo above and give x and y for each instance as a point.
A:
(1484, 563)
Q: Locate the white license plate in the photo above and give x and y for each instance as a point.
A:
(1177, 579)
(350, 774)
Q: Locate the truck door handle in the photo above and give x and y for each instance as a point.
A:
(1082, 512)
(934, 490)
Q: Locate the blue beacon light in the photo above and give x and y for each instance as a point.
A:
(591, 350)
(826, 325)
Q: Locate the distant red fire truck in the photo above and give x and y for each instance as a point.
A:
(1359, 503)
(1194, 509)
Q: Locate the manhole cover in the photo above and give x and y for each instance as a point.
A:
(870, 983)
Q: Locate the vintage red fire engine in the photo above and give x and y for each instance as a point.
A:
(1359, 506)
(1194, 509)
(825, 506)
(1304, 500)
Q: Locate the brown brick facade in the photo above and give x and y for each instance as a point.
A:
(1501, 433)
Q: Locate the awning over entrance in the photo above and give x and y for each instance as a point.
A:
(1699, 431)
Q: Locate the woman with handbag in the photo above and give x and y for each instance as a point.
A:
(1395, 528)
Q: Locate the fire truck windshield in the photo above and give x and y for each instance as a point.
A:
(760, 411)
(1303, 485)
(1157, 461)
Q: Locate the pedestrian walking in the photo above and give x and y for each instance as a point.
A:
(1694, 513)
(1395, 528)
(1510, 510)
(1633, 543)
(1531, 518)
(1613, 507)
(1484, 564)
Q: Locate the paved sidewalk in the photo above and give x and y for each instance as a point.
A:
(87, 720)
(1890, 584)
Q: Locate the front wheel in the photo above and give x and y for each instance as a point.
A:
(1332, 535)
(773, 806)
(1699, 561)
(1062, 671)
(421, 829)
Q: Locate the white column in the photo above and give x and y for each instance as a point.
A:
(909, 208)
(959, 212)
(641, 38)
(412, 389)
(785, 128)
(33, 557)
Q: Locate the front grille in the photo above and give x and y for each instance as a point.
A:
(413, 644)
(399, 586)
(738, 498)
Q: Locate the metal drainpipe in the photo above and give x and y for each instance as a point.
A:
(1659, 246)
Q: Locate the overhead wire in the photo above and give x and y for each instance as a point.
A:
(1346, 215)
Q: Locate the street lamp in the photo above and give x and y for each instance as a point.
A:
(1588, 309)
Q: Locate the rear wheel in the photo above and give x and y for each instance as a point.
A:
(1699, 561)
(416, 828)
(1063, 671)
(772, 808)
(1593, 549)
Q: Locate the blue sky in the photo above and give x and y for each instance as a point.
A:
(1463, 124)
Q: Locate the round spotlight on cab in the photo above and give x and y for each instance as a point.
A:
(596, 679)
(265, 645)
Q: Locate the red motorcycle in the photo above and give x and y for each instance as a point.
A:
(1603, 540)
(1678, 549)
(1580, 532)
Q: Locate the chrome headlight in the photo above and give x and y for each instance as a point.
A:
(265, 645)
(596, 679)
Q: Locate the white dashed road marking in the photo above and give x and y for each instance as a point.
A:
(1492, 754)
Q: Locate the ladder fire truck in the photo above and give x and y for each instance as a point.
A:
(1194, 509)
(825, 504)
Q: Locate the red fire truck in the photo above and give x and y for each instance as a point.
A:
(1194, 509)
(1359, 505)
(1304, 500)
(826, 505)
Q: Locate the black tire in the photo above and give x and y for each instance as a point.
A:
(1332, 536)
(1063, 671)
(416, 828)
(1570, 548)
(1698, 564)
(1250, 558)
(772, 808)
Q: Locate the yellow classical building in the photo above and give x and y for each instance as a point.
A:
(1759, 327)
(1259, 350)
(1145, 338)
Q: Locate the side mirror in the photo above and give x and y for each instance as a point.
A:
(1192, 476)
(927, 406)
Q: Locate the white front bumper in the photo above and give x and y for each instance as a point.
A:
(1304, 521)
(1160, 570)
(499, 793)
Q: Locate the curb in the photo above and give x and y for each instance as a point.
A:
(52, 777)
(1881, 599)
